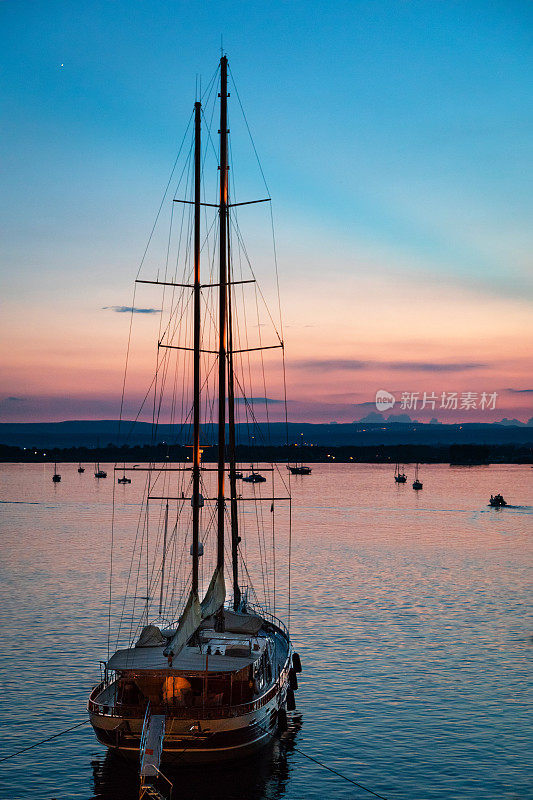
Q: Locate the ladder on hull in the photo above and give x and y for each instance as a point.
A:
(150, 753)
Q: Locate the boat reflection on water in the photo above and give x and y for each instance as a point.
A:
(264, 775)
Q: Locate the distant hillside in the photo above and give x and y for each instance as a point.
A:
(104, 432)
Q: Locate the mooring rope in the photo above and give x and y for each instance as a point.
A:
(42, 741)
(181, 753)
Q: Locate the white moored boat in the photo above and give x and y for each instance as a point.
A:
(206, 674)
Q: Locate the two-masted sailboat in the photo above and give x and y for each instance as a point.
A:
(207, 678)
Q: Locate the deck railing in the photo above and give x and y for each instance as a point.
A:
(185, 712)
(268, 617)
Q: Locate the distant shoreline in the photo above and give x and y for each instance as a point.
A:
(459, 455)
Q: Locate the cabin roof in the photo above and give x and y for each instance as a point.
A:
(190, 659)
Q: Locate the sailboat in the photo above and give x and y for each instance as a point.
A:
(99, 473)
(80, 468)
(299, 469)
(254, 477)
(399, 477)
(124, 478)
(56, 477)
(205, 677)
(417, 484)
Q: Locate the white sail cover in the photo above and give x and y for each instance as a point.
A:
(195, 612)
(215, 595)
(150, 636)
(190, 621)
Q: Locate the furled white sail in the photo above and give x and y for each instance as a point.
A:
(215, 595)
(195, 612)
(190, 621)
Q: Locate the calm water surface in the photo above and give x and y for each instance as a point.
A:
(411, 612)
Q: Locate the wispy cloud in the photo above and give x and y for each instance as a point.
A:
(333, 364)
(131, 310)
(434, 366)
(520, 391)
(349, 364)
(13, 399)
(242, 400)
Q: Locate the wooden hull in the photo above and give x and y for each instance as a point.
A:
(215, 740)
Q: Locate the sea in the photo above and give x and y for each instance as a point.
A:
(411, 612)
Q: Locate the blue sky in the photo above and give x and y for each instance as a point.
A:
(396, 138)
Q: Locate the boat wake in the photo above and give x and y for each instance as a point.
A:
(21, 502)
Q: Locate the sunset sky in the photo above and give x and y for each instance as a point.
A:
(396, 139)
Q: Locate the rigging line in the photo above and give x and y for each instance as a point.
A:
(111, 570)
(244, 569)
(186, 170)
(154, 573)
(289, 569)
(148, 391)
(248, 372)
(249, 405)
(42, 741)
(248, 129)
(171, 549)
(262, 558)
(156, 417)
(209, 137)
(167, 260)
(240, 238)
(154, 577)
(188, 416)
(126, 364)
(125, 600)
(139, 568)
(339, 774)
(263, 370)
(273, 550)
(209, 87)
(287, 485)
(176, 565)
(321, 763)
(277, 271)
(139, 412)
(239, 250)
(147, 548)
(139, 271)
(268, 191)
(177, 570)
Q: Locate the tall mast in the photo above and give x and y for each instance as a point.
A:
(223, 213)
(231, 442)
(196, 357)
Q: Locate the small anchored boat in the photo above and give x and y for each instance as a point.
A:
(299, 469)
(124, 478)
(99, 473)
(417, 483)
(399, 477)
(56, 477)
(254, 477)
(80, 468)
(497, 501)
